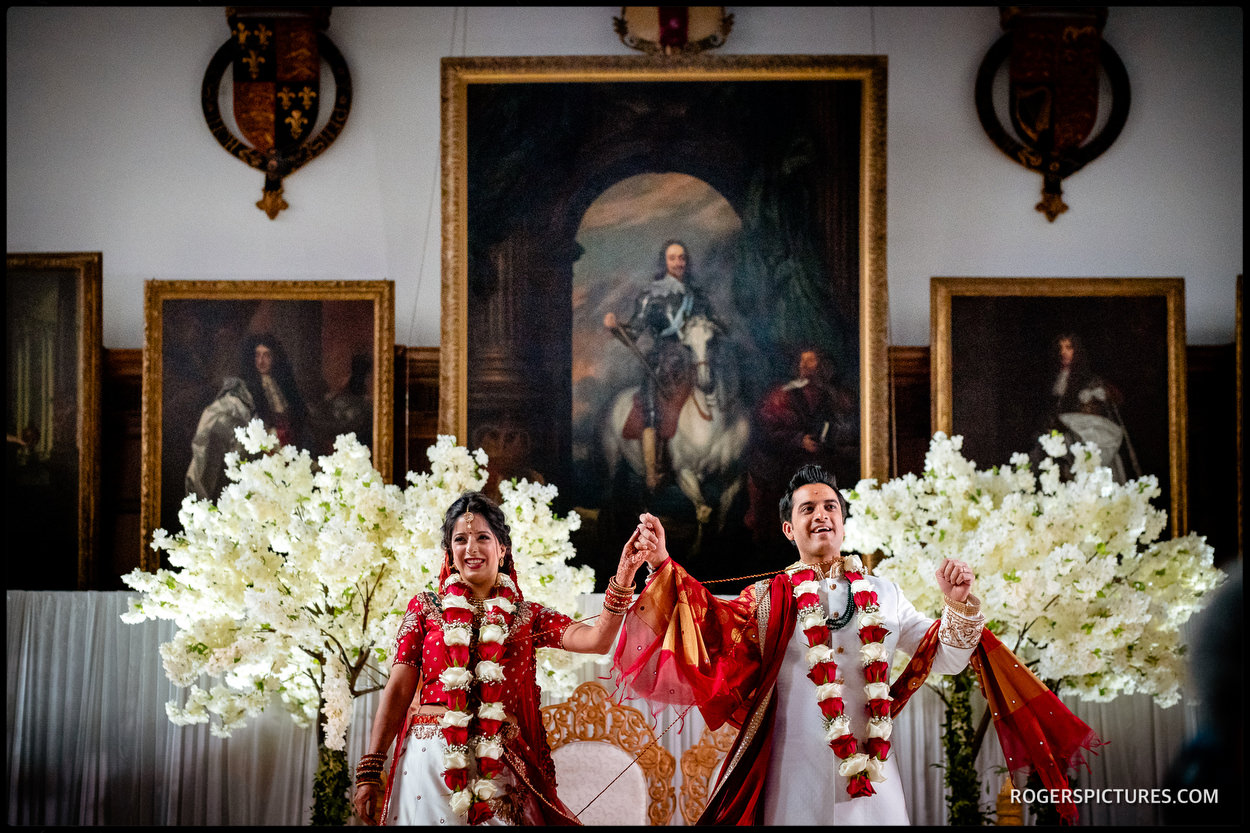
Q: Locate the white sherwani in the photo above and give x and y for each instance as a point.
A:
(803, 785)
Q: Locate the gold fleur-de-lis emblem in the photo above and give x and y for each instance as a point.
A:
(297, 122)
(241, 33)
(307, 95)
(253, 62)
(285, 95)
(262, 34)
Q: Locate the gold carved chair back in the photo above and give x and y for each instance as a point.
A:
(593, 741)
(699, 764)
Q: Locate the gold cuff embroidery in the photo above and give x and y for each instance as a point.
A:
(960, 631)
(969, 609)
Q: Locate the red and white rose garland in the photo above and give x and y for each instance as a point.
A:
(469, 797)
(859, 768)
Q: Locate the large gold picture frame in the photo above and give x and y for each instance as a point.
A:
(789, 148)
(998, 349)
(330, 348)
(52, 470)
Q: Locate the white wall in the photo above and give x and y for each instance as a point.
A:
(107, 150)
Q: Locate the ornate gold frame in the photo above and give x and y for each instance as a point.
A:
(589, 715)
(458, 74)
(156, 293)
(698, 764)
(89, 272)
(1172, 290)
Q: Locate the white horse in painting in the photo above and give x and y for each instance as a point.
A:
(712, 427)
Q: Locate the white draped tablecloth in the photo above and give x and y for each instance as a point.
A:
(89, 742)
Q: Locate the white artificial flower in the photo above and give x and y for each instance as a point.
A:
(812, 619)
(491, 711)
(838, 727)
(880, 727)
(455, 677)
(870, 618)
(875, 652)
(489, 671)
(803, 587)
(817, 654)
(828, 691)
(457, 635)
(492, 633)
(486, 788)
(853, 764)
(489, 747)
(877, 691)
(454, 719)
(876, 769)
(460, 801)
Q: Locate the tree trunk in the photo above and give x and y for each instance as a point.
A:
(331, 805)
(962, 784)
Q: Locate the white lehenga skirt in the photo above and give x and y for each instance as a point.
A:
(419, 795)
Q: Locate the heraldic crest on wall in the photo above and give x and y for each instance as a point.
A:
(1054, 55)
(275, 54)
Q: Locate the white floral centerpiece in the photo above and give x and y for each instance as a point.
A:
(1071, 573)
(293, 583)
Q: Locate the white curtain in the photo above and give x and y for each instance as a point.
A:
(89, 742)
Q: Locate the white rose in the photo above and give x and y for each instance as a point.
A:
(489, 748)
(460, 801)
(819, 653)
(828, 691)
(489, 671)
(451, 600)
(456, 636)
(852, 564)
(871, 618)
(876, 770)
(874, 652)
(485, 789)
(491, 633)
(455, 759)
(861, 586)
(806, 587)
(452, 718)
(813, 620)
(880, 727)
(877, 691)
(455, 677)
(501, 603)
(853, 765)
(492, 711)
(839, 727)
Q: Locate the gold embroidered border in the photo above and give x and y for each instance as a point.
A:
(959, 631)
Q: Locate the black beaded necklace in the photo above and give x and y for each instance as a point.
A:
(845, 619)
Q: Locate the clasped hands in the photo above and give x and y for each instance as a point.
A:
(954, 579)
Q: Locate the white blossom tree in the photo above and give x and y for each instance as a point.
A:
(291, 585)
(1071, 573)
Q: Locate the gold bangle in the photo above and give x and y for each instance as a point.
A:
(970, 609)
(620, 588)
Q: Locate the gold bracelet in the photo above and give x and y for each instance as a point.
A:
(969, 609)
(620, 588)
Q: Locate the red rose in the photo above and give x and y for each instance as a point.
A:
(858, 785)
(480, 812)
(878, 748)
(864, 598)
(816, 635)
(490, 651)
(455, 615)
(456, 779)
(458, 655)
(489, 767)
(876, 672)
(844, 747)
(872, 633)
(807, 600)
(457, 699)
(491, 692)
(456, 735)
(488, 726)
(831, 707)
(878, 708)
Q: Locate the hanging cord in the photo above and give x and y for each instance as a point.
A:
(637, 758)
